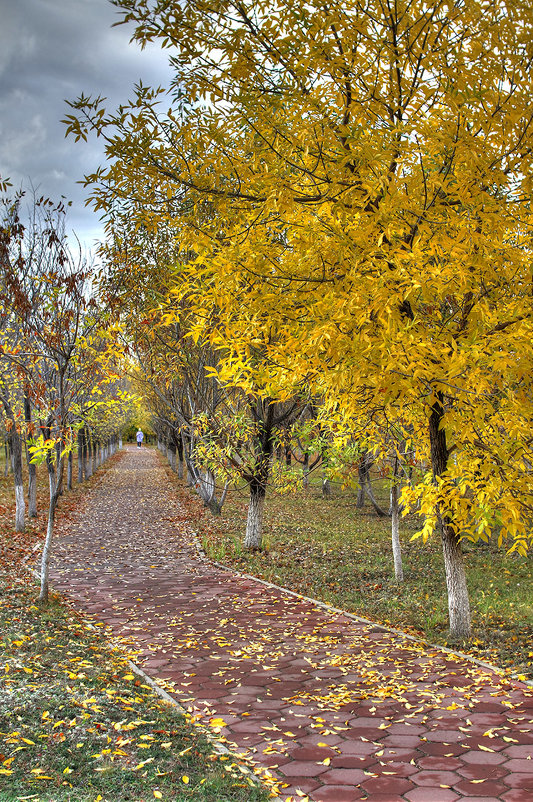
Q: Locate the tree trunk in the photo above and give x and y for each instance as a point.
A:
(87, 467)
(306, 470)
(254, 523)
(458, 600)
(186, 455)
(55, 492)
(32, 468)
(81, 446)
(205, 486)
(395, 513)
(179, 446)
(370, 493)
(32, 486)
(60, 467)
(69, 470)
(258, 481)
(172, 454)
(365, 485)
(326, 486)
(6, 455)
(94, 456)
(20, 509)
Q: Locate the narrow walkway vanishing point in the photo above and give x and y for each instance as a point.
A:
(335, 708)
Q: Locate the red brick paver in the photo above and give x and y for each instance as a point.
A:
(336, 708)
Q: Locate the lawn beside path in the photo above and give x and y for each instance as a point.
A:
(76, 724)
(337, 709)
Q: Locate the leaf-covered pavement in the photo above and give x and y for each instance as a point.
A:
(329, 707)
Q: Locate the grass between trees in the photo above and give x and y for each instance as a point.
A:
(328, 549)
(76, 725)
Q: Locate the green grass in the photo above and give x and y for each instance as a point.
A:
(328, 549)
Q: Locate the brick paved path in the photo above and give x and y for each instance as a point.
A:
(338, 709)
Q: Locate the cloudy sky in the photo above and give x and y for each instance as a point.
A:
(56, 49)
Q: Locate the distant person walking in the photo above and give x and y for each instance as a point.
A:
(140, 438)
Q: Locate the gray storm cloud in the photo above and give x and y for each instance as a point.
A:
(52, 50)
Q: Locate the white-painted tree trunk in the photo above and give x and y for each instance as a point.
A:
(458, 601)
(88, 463)
(32, 491)
(69, 470)
(396, 547)
(32, 468)
(253, 538)
(172, 458)
(55, 481)
(47, 546)
(80, 456)
(20, 511)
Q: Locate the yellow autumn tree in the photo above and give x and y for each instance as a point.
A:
(350, 185)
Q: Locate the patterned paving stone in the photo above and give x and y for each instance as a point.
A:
(303, 768)
(517, 795)
(338, 793)
(386, 785)
(385, 798)
(518, 766)
(441, 764)
(520, 781)
(295, 684)
(351, 777)
(434, 778)
(431, 795)
(486, 788)
(477, 772)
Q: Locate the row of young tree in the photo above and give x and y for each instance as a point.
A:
(58, 386)
(333, 201)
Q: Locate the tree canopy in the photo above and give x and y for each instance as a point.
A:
(346, 188)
